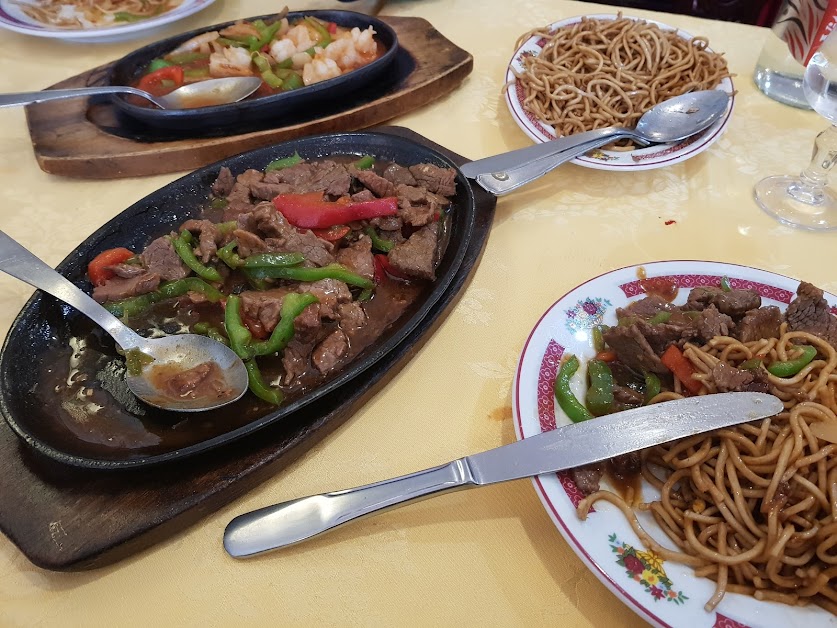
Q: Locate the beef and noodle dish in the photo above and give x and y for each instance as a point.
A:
(298, 268)
(752, 507)
(286, 55)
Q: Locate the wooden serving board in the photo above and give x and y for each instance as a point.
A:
(85, 138)
(67, 518)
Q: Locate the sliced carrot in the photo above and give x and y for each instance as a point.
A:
(674, 360)
(606, 356)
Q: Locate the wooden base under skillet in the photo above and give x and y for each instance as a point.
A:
(86, 139)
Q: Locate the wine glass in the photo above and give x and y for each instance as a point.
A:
(806, 201)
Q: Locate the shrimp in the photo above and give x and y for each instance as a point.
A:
(364, 41)
(342, 52)
(301, 37)
(196, 42)
(282, 49)
(352, 50)
(319, 69)
(230, 62)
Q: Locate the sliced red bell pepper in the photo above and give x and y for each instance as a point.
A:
(332, 234)
(96, 268)
(310, 211)
(161, 82)
(676, 362)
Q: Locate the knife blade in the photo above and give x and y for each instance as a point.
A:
(566, 447)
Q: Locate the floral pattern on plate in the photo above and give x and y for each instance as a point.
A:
(655, 156)
(594, 539)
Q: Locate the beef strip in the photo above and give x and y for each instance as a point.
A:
(417, 205)
(330, 351)
(416, 256)
(624, 397)
(248, 243)
(587, 478)
(118, 288)
(730, 379)
(208, 237)
(126, 270)
(263, 306)
(224, 183)
(810, 312)
(388, 223)
(239, 200)
(295, 360)
(285, 238)
(439, 180)
(711, 323)
(734, 303)
(325, 176)
(351, 315)
(265, 191)
(761, 323)
(363, 196)
(632, 349)
(358, 257)
(661, 335)
(625, 466)
(330, 294)
(161, 259)
(646, 308)
(398, 175)
(379, 186)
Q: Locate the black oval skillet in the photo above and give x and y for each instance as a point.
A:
(128, 436)
(277, 107)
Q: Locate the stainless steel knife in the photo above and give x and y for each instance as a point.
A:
(566, 447)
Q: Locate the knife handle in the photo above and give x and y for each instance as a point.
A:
(300, 519)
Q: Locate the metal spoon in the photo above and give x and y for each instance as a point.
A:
(669, 121)
(220, 91)
(176, 353)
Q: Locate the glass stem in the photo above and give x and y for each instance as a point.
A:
(814, 178)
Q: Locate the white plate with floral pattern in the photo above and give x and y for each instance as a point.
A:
(13, 17)
(655, 156)
(661, 592)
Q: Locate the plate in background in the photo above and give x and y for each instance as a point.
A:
(13, 18)
(655, 156)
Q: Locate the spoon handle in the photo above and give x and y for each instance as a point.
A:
(499, 183)
(21, 263)
(515, 158)
(28, 98)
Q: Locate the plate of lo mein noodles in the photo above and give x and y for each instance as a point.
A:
(595, 71)
(733, 528)
(94, 20)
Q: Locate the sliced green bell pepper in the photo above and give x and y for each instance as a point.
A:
(567, 401)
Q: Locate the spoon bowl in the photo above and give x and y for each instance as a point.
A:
(182, 373)
(669, 121)
(212, 92)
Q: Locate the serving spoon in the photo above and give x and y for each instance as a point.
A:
(672, 120)
(219, 91)
(175, 354)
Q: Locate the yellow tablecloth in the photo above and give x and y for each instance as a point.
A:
(482, 557)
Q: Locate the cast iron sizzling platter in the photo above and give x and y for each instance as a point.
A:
(128, 437)
(278, 107)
